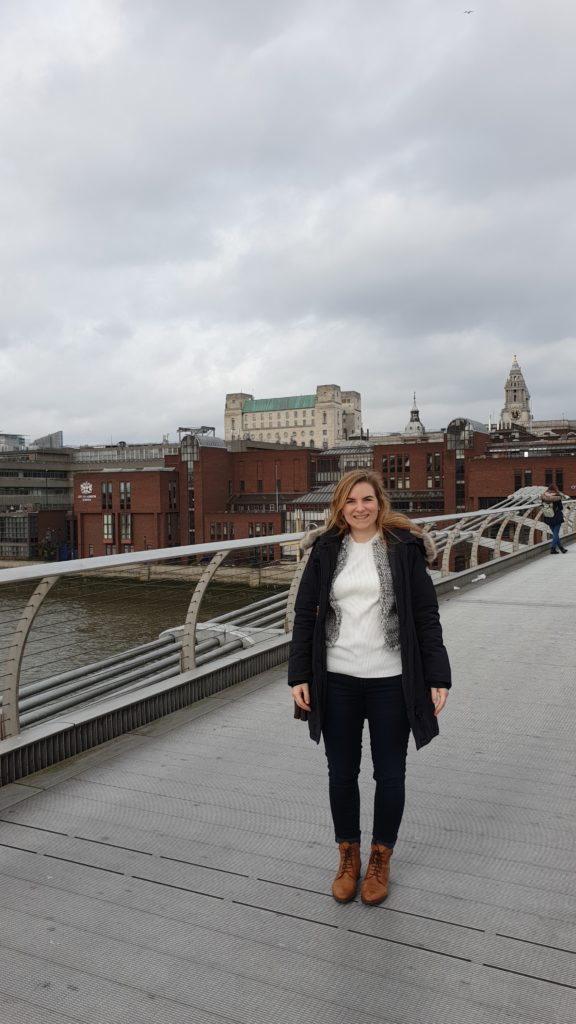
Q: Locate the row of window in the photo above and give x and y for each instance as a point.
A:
(221, 531)
(123, 454)
(260, 529)
(551, 476)
(14, 551)
(16, 527)
(42, 474)
(111, 549)
(37, 492)
(422, 505)
(225, 531)
(396, 472)
(257, 419)
(125, 494)
(108, 526)
(271, 507)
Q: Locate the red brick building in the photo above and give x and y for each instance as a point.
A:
(206, 493)
(126, 510)
(504, 468)
(244, 491)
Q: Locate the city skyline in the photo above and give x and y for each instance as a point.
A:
(203, 199)
(171, 436)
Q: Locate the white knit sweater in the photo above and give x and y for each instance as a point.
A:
(360, 648)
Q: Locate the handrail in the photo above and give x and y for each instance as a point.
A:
(132, 558)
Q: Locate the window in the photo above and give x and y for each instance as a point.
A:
(106, 494)
(172, 496)
(125, 526)
(560, 479)
(548, 478)
(90, 550)
(125, 495)
(527, 478)
(242, 485)
(108, 549)
(517, 480)
(260, 485)
(108, 527)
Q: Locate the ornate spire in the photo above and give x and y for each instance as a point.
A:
(414, 426)
(516, 411)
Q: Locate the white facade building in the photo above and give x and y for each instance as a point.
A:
(314, 421)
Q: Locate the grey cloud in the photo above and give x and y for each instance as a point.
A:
(200, 197)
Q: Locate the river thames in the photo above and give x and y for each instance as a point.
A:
(85, 619)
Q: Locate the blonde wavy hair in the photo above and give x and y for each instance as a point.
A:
(387, 520)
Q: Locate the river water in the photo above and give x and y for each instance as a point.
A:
(84, 619)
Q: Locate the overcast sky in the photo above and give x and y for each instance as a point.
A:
(204, 196)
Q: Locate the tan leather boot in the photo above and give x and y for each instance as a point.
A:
(375, 884)
(346, 881)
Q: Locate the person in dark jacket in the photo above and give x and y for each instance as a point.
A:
(553, 515)
(367, 644)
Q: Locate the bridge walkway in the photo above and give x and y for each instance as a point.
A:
(181, 874)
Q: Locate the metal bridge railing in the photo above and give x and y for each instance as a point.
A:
(72, 633)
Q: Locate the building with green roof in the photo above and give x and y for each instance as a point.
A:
(315, 421)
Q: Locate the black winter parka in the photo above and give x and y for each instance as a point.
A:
(424, 657)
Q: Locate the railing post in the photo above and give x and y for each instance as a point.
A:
(500, 535)
(10, 675)
(521, 522)
(490, 521)
(451, 537)
(188, 658)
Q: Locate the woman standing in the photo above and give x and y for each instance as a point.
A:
(367, 644)
(553, 515)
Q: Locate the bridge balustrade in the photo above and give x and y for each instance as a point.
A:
(57, 620)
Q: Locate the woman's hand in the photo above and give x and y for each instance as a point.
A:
(439, 698)
(301, 694)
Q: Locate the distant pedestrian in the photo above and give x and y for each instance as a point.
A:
(553, 516)
(367, 644)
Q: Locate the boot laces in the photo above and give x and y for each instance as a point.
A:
(346, 865)
(375, 865)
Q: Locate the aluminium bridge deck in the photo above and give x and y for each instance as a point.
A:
(181, 873)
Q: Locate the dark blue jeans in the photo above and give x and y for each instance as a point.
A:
(349, 702)
(555, 536)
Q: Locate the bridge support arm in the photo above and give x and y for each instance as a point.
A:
(10, 673)
(188, 658)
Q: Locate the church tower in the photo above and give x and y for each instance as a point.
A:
(516, 411)
(414, 427)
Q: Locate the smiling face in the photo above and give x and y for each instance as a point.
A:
(360, 511)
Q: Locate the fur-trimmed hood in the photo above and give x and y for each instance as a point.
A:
(430, 550)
